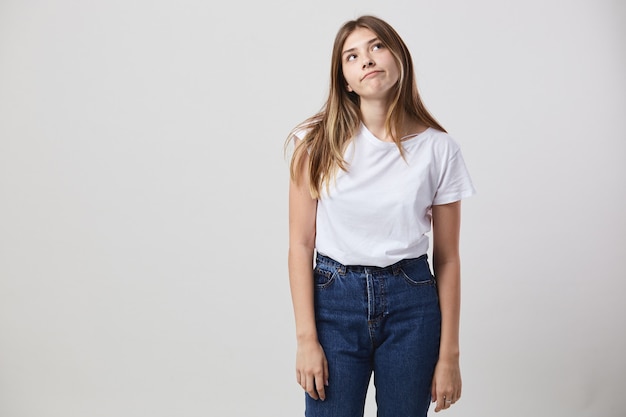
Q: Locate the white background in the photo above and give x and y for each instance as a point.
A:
(143, 199)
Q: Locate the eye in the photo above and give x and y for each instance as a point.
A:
(377, 46)
(351, 57)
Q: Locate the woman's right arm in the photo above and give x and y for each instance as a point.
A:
(311, 365)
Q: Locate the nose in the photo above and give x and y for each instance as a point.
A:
(368, 62)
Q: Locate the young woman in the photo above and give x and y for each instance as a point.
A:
(370, 173)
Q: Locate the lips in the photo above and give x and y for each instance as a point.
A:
(369, 74)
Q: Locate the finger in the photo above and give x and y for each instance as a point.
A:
(437, 397)
(326, 374)
(319, 386)
(298, 378)
(439, 405)
(310, 387)
(453, 397)
(441, 402)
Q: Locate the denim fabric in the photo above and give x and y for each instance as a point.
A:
(381, 320)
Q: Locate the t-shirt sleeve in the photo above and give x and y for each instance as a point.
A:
(455, 182)
(296, 136)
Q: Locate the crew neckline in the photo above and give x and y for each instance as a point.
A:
(380, 143)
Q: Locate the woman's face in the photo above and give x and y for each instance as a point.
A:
(368, 66)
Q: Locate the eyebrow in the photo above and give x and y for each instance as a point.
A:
(371, 41)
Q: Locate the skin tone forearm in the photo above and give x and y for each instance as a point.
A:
(449, 287)
(301, 284)
(446, 389)
(311, 364)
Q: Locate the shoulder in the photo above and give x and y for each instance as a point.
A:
(438, 142)
(300, 132)
(442, 139)
(304, 128)
(296, 136)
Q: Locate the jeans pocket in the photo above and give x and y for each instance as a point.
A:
(417, 272)
(323, 277)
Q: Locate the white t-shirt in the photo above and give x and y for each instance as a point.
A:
(379, 211)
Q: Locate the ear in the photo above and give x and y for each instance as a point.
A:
(348, 88)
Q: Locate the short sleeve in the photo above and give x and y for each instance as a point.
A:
(455, 182)
(294, 138)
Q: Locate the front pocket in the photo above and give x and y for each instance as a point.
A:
(323, 278)
(417, 272)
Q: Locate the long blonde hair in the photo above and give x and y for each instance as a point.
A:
(331, 129)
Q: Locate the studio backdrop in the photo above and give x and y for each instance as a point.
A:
(143, 200)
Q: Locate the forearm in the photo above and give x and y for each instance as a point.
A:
(448, 277)
(447, 384)
(301, 284)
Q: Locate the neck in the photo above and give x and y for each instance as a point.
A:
(374, 116)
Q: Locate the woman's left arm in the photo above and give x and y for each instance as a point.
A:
(446, 387)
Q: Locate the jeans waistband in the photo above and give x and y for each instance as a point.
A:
(325, 260)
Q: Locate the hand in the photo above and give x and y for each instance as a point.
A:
(312, 369)
(446, 389)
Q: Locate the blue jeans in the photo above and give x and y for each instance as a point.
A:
(381, 320)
